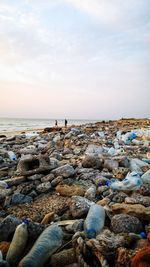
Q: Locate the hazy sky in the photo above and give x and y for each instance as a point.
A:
(75, 58)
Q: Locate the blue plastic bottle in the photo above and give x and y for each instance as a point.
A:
(94, 221)
(47, 243)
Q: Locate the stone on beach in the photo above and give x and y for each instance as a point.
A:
(58, 174)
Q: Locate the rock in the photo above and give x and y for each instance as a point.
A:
(54, 163)
(29, 165)
(79, 206)
(102, 189)
(20, 199)
(63, 258)
(48, 178)
(123, 223)
(34, 230)
(111, 164)
(65, 171)
(32, 194)
(28, 150)
(100, 180)
(43, 187)
(137, 210)
(92, 161)
(68, 191)
(124, 162)
(15, 180)
(75, 227)
(8, 226)
(119, 197)
(48, 218)
(27, 189)
(94, 149)
(57, 180)
(35, 177)
(91, 193)
(103, 202)
(146, 177)
(138, 199)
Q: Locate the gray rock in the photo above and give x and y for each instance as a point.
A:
(43, 187)
(92, 161)
(111, 164)
(34, 230)
(54, 163)
(119, 197)
(79, 206)
(124, 162)
(8, 226)
(94, 149)
(102, 189)
(123, 223)
(15, 180)
(20, 199)
(29, 165)
(27, 189)
(27, 151)
(91, 193)
(57, 181)
(48, 178)
(35, 177)
(33, 194)
(65, 171)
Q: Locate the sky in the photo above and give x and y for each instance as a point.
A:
(77, 59)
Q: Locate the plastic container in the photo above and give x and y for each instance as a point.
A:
(18, 244)
(12, 155)
(94, 221)
(132, 182)
(47, 243)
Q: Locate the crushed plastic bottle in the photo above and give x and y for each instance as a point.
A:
(94, 221)
(18, 244)
(47, 243)
(132, 182)
(12, 155)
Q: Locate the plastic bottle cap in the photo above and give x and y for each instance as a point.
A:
(91, 233)
(143, 235)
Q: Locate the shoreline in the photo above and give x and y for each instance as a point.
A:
(18, 132)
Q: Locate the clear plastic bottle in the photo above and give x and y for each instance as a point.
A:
(18, 244)
(12, 155)
(94, 221)
(47, 243)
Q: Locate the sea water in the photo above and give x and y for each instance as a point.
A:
(21, 124)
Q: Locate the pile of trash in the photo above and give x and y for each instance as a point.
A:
(76, 196)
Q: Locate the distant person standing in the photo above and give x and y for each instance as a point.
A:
(56, 123)
(66, 123)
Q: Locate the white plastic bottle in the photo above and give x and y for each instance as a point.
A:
(94, 221)
(47, 243)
